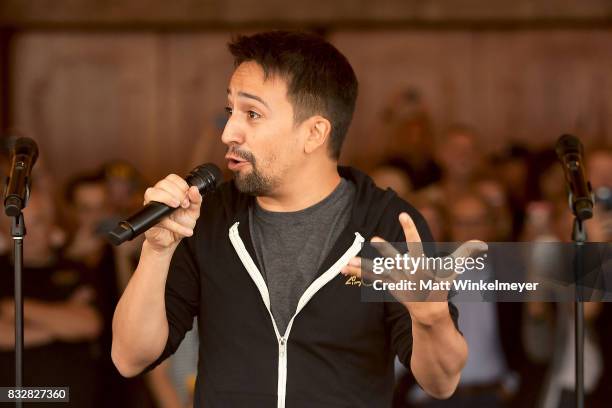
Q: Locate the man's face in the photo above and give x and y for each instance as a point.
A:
(263, 143)
(459, 156)
(39, 216)
(599, 169)
(470, 220)
(90, 201)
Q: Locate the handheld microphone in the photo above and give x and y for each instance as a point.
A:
(570, 153)
(205, 177)
(24, 155)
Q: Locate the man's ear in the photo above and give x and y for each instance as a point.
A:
(319, 130)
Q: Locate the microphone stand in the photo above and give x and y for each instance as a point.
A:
(579, 237)
(18, 232)
(16, 194)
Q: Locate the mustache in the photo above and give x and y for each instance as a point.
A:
(243, 154)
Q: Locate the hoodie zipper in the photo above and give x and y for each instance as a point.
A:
(321, 281)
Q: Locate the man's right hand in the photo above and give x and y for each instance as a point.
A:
(176, 193)
(140, 324)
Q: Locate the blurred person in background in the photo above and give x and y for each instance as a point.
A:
(550, 330)
(486, 380)
(87, 196)
(599, 228)
(61, 317)
(493, 192)
(389, 176)
(181, 368)
(436, 216)
(599, 167)
(599, 172)
(6, 243)
(512, 166)
(125, 187)
(88, 212)
(90, 217)
(552, 184)
(461, 160)
(5, 222)
(89, 209)
(539, 220)
(409, 136)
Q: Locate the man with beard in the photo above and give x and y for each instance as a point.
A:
(264, 267)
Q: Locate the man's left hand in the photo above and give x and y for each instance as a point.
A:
(424, 307)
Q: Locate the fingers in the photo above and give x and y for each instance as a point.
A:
(194, 195)
(166, 192)
(172, 191)
(195, 199)
(361, 268)
(383, 247)
(353, 268)
(413, 240)
(469, 249)
(175, 227)
(178, 181)
(172, 187)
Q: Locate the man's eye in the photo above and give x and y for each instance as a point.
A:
(253, 115)
(228, 111)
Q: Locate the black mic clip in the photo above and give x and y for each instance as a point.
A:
(13, 205)
(583, 212)
(18, 229)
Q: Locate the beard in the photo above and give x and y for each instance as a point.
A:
(255, 182)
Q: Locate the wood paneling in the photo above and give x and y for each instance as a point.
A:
(198, 68)
(145, 98)
(528, 86)
(157, 98)
(334, 13)
(87, 98)
(5, 36)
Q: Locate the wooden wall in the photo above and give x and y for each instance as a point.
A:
(528, 86)
(147, 98)
(221, 13)
(156, 98)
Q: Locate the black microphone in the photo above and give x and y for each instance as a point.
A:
(24, 155)
(570, 153)
(205, 177)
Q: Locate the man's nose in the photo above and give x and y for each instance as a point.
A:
(232, 133)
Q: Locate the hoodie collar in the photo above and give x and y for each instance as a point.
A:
(368, 207)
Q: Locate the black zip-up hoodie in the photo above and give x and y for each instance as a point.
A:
(337, 351)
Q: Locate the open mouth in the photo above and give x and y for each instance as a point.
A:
(234, 163)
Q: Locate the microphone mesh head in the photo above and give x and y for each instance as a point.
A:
(205, 177)
(568, 144)
(25, 145)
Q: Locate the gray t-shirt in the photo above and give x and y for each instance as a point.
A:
(291, 246)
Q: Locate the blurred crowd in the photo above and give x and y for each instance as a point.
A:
(521, 354)
(73, 278)
(72, 281)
